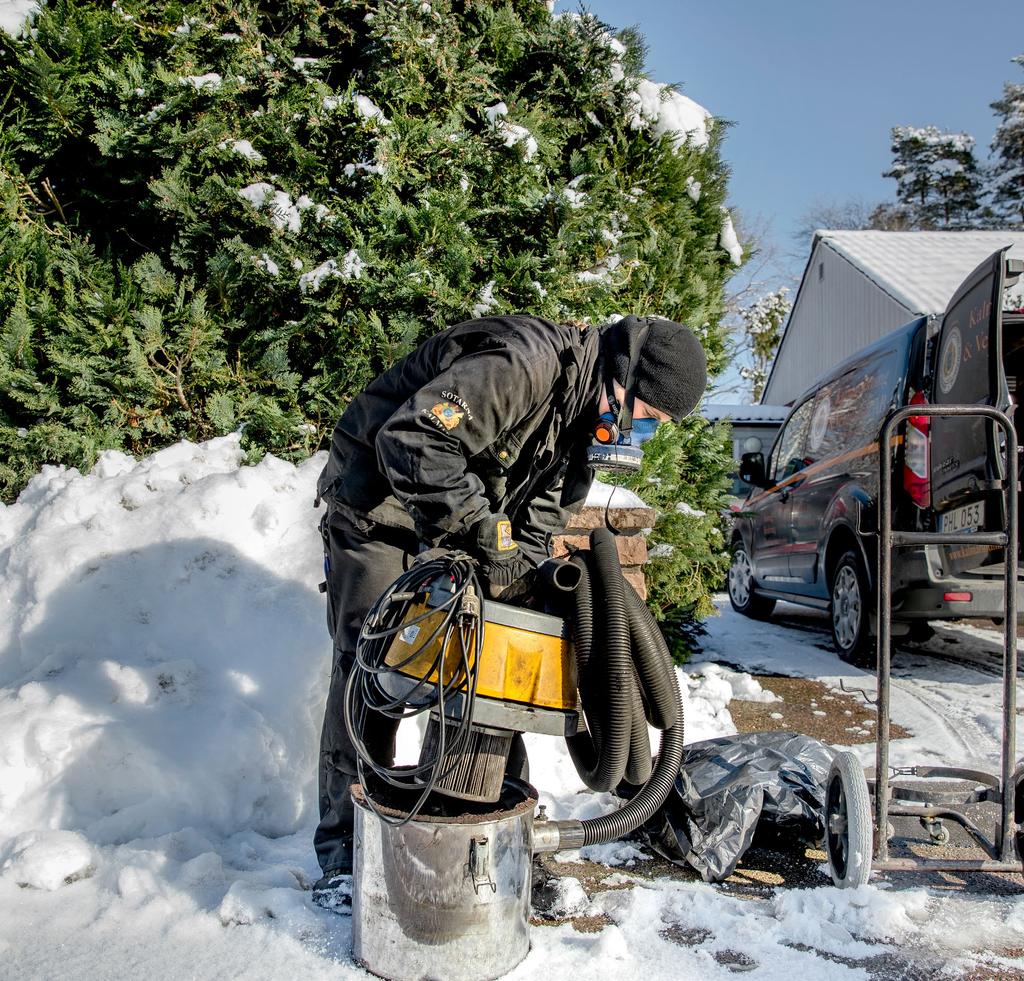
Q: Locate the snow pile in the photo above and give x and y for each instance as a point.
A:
(653, 105)
(163, 665)
(351, 267)
(285, 213)
(162, 651)
(669, 113)
(46, 859)
(486, 301)
(729, 240)
(709, 690)
(608, 495)
(265, 262)
(15, 15)
(366, 108)
(572, 194)
(211, 80)
(244, 149)
(567, 898)
(364, 167)
(601, 270)
(510, 133)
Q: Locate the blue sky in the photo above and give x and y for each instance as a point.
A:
(813, 86)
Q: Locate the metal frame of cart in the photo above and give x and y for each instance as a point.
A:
(848, 841)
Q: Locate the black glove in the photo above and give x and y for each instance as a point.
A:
(508, 572)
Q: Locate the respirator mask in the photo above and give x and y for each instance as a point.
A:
(618, 438)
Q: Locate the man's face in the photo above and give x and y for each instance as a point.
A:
(641, 410)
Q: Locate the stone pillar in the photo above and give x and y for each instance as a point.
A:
(631, 542)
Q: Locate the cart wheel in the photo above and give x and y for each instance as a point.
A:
(848, 837)
(937, 831)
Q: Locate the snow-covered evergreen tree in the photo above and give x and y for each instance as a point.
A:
(762, 323)
(1008, 147)
(938, 183)
(233, 215)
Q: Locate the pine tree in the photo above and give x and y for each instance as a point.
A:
(938, 183)
(1008, 146)
(234, 215)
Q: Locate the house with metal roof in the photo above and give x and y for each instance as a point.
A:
(860, 285)
(753, 427)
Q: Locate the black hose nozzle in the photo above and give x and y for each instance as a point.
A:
(560, 574)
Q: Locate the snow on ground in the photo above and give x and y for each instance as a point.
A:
(951, 709)
(163, 665)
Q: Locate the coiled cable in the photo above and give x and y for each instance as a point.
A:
(459, 616)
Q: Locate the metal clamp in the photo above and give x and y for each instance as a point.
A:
(478, 866)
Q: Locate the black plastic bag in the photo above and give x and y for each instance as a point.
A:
(730, 787)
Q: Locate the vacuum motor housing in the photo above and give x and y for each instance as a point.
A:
(526, 682)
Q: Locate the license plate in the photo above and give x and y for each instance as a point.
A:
(968, 518)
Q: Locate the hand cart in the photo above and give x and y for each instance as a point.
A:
(848, 812)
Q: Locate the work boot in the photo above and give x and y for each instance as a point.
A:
(333, 892)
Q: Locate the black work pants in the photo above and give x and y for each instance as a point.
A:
(359, 567)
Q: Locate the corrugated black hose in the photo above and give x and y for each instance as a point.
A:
(606, 678)
(631, 661)
(653, 663)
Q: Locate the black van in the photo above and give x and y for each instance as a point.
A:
(807, 532)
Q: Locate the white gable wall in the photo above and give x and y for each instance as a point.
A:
(838, 311)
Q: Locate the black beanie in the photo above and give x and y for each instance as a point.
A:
(672, 371)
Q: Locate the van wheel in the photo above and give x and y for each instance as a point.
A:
(849, 612)
(741, 587)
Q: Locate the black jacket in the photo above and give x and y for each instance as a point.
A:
(492, 415)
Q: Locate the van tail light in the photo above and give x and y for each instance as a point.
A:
(917, 477)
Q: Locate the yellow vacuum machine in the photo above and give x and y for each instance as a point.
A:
(444, 847)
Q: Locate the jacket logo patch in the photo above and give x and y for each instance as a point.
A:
(505, 543)
(459, 401)
(447, 414)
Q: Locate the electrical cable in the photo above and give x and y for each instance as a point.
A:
(460, 627)
(626, 679)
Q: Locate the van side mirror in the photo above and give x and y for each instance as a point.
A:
(752, 469)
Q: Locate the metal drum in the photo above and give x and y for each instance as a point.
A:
(443, 897)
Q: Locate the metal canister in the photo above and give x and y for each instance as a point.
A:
(443, 897)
